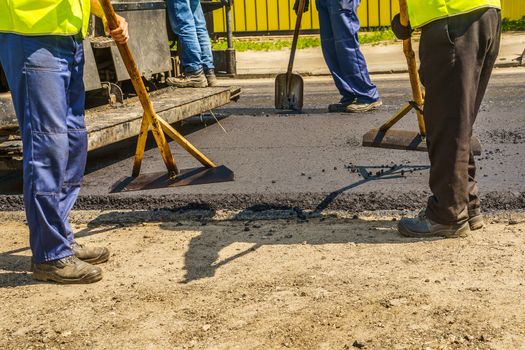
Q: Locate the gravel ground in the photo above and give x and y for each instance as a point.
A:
(203, 279)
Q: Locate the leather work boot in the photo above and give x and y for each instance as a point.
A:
(91, 255)
(475, 219)
(189, 80)
(210, 77)
(423, 227)
(68, 270)
(357, 107)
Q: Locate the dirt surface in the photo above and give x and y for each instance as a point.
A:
(270, 280)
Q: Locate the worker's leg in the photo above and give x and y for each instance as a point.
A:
(37, 70)
(202, 35)
(352, 64)
(324, 8)
(453, 54)
(183, 24)
(486, 71)
(77, 138)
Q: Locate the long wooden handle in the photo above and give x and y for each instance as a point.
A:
(149, 112)
(415, 83)
(128, 59)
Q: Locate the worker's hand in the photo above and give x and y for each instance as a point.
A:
(296, 5)
(120, 34)
(400, 31)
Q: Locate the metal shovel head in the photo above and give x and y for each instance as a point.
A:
(187, 177)
(292, 98)
(406, 140)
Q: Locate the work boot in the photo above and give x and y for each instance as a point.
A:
(189, 80)
(359, 107)
(354, 107)
(91, 255)
(210, 77)
(423, 227)
(67, 270)
(337, 107)
(475, 219)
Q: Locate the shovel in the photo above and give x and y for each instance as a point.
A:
(289, 86)
(385, 136)
(209, 173)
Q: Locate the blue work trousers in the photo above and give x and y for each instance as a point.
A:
(188, 22)
(339, 25)
(44, 74)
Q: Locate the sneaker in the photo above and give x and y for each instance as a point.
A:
(475, 219)
(357, 107)
(92, 255)
(189, 80)
(210, 77)
(67, 270)
(423, 227)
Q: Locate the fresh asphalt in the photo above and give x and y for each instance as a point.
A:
(313, 160)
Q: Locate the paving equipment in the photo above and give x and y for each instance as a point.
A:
(385, 136)
(113, 107)
(289, 86)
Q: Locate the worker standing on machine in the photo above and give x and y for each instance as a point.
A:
(339, 26)
(42, 55)
(188, 22)
(458, 48)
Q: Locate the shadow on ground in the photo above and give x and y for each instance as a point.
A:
(203, 251)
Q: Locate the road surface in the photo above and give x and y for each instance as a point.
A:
(305, 160)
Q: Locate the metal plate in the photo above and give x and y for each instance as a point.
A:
(187, 177)
(406, 140)
(91, 77)
(138, 5)
(148, 42)
(293, 99)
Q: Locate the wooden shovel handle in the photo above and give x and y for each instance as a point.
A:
(149, 113)
(159, 126)
(415, 83)
(128, 59)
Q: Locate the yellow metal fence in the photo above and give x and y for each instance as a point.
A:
(273, 16)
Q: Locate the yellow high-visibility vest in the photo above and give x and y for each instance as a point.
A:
(44, 17)
(421, 12)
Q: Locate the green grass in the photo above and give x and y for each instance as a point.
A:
(372, 37)
(508, 25)
(304, 42)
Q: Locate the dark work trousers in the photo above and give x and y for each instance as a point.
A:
(457, 55)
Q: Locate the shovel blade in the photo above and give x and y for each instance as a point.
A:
(187, 177)
(406, 140)
(289, 98)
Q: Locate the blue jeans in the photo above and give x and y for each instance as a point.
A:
(187, 21)
(44, 74)
(339, 25)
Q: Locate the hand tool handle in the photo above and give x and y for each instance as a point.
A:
(417, 95)
(138, 84)
(300, 11)
(128, 59)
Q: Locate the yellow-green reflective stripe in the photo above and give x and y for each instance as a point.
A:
(56, 17)
(422, 12)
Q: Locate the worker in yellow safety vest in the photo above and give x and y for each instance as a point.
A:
(41, 52)
(459, 44)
